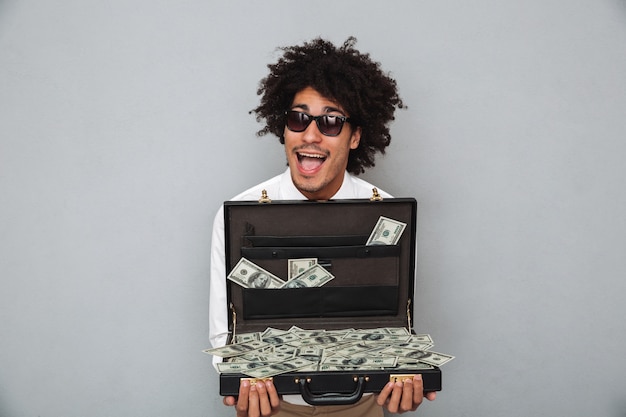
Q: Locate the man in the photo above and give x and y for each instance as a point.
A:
(330, 107)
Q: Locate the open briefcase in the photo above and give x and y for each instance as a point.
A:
(373, 286)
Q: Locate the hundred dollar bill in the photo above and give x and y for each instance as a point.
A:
(271, 331)
(249, 275)
(424, 356)
(247, 337)
(320, 339)
(267, 357)
(397, 330)
(235, 349)
(411, 366)
(350, 349)
(279, 368)
(377, 337)
(238, 367)
(422, 338)
(414, 345)
(284, 349)
(316, 276)
(386, 232)
(312, 353)
(362, 361)
(325, 367)
(434, 358)
(312, 367)
(280, 339)
(305, 334)
(298, 266)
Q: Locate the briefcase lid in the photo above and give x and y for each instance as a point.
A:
(373, 285)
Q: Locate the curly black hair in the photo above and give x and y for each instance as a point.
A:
(341, 74)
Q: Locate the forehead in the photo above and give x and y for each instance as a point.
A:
(310, 99)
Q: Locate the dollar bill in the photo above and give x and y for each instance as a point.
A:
(310, 351)
(362, 362)
(434, 358)
(411, 366)
(424, 356)
(377, 337)
(247, 337)
(249, 275)
(298, 266)
(271, 331)
(422, 338)
(398, 331)
(235, 349)
(325, 367)
(266, 357)
(273, 369)
(353, 348)
(285, 349)
(280, 339)
(386, 232)
(238, 367)
(315, 276)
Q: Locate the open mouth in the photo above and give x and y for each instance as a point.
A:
(310, 162)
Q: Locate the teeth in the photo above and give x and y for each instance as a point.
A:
(311, 155)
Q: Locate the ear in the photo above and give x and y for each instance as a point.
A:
(355, 138)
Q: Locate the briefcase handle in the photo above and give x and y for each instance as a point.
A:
(331, 398)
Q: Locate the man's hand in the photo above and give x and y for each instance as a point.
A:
(402, 396)
(260, 399)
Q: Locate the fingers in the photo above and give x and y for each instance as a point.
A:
(407, 402)
(403, 396)
(259, 399)
(253, 401)
(393, 404)
(242, 402)
(264, 401)
(273, 395)
(418, 390)
(384, 394)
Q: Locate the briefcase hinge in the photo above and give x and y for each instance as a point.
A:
(234, 319)
(408, 314)
(375, 195)
(264, 198)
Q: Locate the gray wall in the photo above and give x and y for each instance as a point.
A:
(124, 125)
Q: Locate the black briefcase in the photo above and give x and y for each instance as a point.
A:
(373, 285)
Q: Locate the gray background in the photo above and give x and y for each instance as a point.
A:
(124, 125)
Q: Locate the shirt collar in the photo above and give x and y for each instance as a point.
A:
(288, 190)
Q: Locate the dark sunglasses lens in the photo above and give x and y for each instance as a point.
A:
(297, 121)
(330, 125)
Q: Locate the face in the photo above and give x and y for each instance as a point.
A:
(317, 162)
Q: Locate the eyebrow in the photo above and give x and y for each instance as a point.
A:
(326, 109)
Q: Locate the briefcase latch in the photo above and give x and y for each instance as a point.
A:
(253, 381)
(400, 377)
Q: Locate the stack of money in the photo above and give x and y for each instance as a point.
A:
(274, 351)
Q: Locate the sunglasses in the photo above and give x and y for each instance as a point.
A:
(328, 125)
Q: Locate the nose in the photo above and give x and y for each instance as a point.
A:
(312, 133)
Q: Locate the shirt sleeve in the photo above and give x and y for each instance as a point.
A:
(218, 309)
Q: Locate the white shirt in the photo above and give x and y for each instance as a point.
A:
(278, 188)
